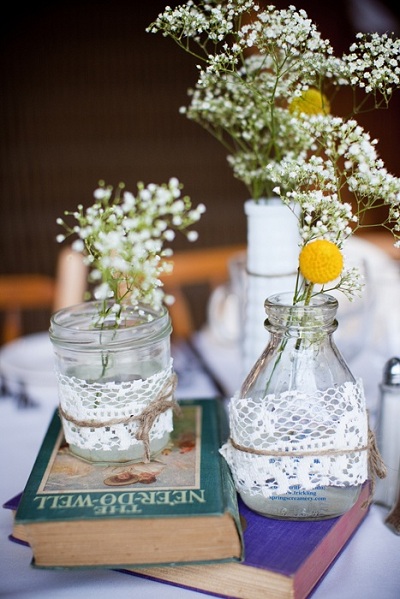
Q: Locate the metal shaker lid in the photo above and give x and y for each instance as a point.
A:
(391, 372)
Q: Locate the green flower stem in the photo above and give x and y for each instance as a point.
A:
(307, 299)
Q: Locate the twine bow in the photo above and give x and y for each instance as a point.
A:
(376, 466)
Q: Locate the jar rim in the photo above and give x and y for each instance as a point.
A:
(76, 326)
(285, 300)
(318, 315)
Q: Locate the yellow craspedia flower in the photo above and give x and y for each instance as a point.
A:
(310, 102)
(320, 261)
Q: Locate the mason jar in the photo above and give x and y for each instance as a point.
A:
(115, 381)
(298, 446)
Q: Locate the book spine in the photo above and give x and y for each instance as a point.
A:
(227, 484)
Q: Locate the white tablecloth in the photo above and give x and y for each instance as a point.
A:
(369, 567)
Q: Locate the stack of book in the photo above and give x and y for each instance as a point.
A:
(176, 520)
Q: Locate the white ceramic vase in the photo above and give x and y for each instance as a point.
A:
(272, 259)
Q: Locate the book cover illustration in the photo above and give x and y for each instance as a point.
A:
(176, 467)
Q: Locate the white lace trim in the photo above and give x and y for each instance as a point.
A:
(326, 436)
(108, 401)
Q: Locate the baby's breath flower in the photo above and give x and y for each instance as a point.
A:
(193, 236)
(266, 86)
(122, 239)
(78, 245)
(251, 101)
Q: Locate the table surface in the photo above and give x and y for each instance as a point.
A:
(368, 567)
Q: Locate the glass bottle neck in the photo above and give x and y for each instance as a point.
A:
(313, 321)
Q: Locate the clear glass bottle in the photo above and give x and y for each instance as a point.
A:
(107, 375)
(298, 426)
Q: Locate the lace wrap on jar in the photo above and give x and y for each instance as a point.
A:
(298, 439)
(130, 413)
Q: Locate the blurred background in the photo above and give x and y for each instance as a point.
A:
(87, 94)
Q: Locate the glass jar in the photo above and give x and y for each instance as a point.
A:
(111, 376)
(298, 427)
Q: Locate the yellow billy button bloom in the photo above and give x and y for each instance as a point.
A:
(310, 102)
(320, 261)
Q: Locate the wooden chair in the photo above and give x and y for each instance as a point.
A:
(24, 292)
(383, 240)
(19, 293)
(210, 266)
(195, 267)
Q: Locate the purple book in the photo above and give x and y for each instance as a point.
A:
(282, 558)
(12, 505)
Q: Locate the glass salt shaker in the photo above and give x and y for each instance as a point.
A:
(388, 433)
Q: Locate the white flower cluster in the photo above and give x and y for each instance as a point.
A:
(317, 183)
(202, 21)
(242, 120)
(253, 62)
(315, 187)
(373, 64)
(265, 90)
(122, 237)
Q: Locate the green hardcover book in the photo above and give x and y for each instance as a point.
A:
(179, 508)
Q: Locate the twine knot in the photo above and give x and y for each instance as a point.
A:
(376, 466)
(147, 417)
(163, 401)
